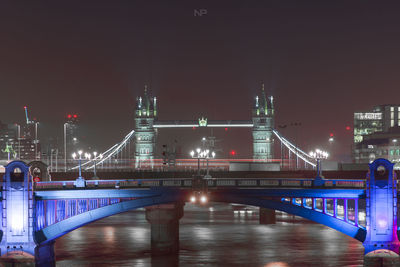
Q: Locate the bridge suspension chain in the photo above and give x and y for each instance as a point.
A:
(295, 150)
(109, 153)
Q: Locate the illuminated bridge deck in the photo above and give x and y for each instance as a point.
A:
(212, 184)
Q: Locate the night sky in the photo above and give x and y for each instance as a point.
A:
(321, 60)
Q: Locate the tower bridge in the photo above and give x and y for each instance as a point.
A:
(35, 214)
(146, 121)
(146, 126)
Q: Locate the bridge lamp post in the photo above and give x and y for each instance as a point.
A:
(208, 170)
(65, 147)
(80, 182)
(202, 154)
(319, 155)
(78, 157)
(95, 158)
(198, 157)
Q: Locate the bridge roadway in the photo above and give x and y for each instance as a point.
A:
(105, 174)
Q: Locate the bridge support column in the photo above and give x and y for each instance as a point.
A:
(267, 216)
(381, 261)
(164, 220)
(45, 256)
(381, 243)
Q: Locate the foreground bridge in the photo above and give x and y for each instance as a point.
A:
(34, 215)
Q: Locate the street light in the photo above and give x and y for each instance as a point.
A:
(79, 158)
(65, 146)
(319, 155)
(208, 170)
(80, 182)
(198, 157)
(95, 158)
(202, 154)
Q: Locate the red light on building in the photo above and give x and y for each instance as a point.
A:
(75, 116)
(226, 129)
(331, 134)
(36, 179)
(194, 128)
(25, 107)
(69, 116)
(233, 152)
(348, 128)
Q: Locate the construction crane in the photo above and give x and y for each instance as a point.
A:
(26, 115)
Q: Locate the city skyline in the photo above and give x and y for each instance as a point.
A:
(190, 133)
(321, 62)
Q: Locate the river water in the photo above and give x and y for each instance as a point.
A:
(215, 235)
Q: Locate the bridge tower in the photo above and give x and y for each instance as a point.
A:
(263, 124)
(381, 211)
(145, 114)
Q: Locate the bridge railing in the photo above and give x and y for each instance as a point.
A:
(212, 183)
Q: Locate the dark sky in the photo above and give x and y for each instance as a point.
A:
(322, 60)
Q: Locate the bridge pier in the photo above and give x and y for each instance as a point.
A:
(381, 243)
(164, 220)
(381, 259)
(267, 216)
(45, 256)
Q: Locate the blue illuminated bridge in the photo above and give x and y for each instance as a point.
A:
(35, 214)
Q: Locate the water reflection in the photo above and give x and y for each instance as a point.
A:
(210, 236)
(277, 264)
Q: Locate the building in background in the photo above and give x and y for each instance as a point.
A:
(20, 142)
(72, 140)
(14, 145)
(377, 134)
(8, 141)
(28, 141)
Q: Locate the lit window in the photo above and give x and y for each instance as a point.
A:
(398, 118)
